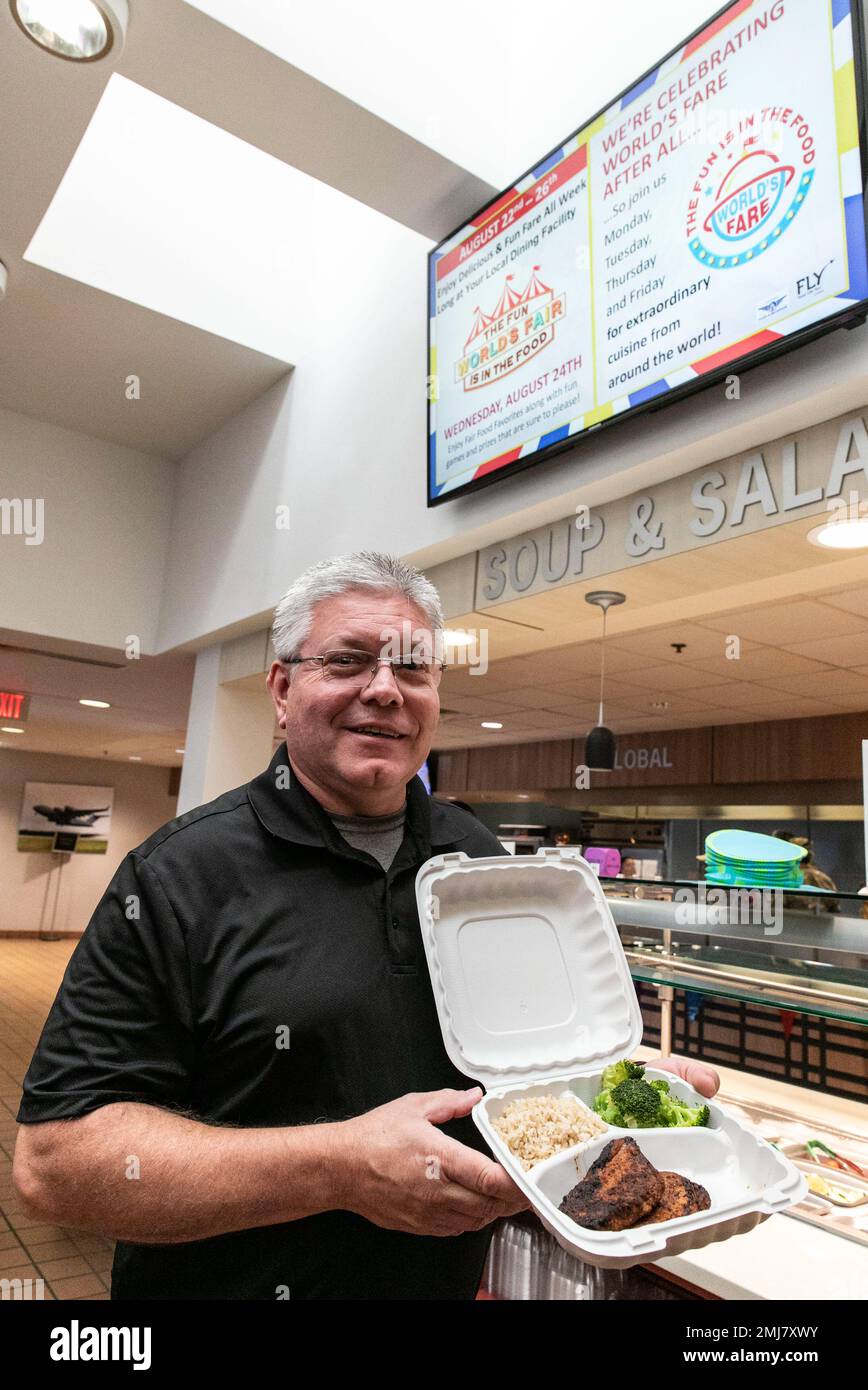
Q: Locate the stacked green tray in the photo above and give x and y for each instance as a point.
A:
(745, 859)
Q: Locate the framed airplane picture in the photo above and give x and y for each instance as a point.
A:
(51, 807)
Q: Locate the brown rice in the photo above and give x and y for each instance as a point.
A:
(535, 1127)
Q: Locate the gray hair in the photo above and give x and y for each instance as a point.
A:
(364, 569)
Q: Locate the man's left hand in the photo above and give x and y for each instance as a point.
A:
(704, 1079)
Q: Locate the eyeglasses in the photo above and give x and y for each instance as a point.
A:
(358, 667)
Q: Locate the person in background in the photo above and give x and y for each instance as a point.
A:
(812, 877)
(628, 868)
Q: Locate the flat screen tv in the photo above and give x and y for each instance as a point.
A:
(711, 217)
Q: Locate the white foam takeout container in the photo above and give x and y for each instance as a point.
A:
(534, 997)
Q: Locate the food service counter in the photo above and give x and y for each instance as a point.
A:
(785, 1257)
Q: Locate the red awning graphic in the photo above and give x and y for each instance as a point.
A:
(535, 287)
(480, 323)
(507, 301)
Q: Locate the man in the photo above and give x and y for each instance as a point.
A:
(243, 1079)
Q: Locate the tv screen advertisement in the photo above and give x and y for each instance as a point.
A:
(710, 218)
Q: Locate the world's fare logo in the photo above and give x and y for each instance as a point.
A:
(520, 326)
(750, 188)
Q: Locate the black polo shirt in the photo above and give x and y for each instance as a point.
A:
(237, 919)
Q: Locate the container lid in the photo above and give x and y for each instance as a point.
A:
(529, 974)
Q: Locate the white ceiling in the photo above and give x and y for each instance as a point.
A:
(491, 89)
(802, 647)
(149, 700)
(773, 679)
(802, 652)
(172, 289)
(162, 208)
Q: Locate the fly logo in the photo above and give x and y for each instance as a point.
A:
(77, 1343)
(812, 282)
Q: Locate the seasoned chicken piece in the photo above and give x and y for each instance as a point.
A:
(618, 1190)
(681, 1197)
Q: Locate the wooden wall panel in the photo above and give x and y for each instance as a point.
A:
(679, 757)
(520, 766)
(451, 774)
(787, 750)
(826, 749)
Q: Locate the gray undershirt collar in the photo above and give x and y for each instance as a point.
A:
(379, 836)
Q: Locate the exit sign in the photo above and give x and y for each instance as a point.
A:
(13, 704)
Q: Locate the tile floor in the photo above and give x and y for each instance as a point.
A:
(73, 1264)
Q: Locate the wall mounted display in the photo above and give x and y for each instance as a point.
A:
(48, 807)
(710, 218)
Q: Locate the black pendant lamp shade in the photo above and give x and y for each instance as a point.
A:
(600, 749)
(600, 743)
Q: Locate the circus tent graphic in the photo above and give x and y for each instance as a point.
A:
(521, 324)
(480, 323)
(534, 289)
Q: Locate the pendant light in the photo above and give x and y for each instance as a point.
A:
(600, 743)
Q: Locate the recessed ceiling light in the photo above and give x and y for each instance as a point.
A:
(457, 637)
(491, 724)
(851, 534)
(8, 729)
(134, 758)
(180, 750)
(96, 704)
(79, 30)
(659, 704)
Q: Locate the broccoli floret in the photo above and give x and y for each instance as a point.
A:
(605, 1108)
(620, 1074)
(700, 1114)
(627, 1100)
(638, 1105)
(621, 1071)
(680, 1115)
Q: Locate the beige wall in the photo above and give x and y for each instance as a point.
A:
(141, 804)
(98, 573)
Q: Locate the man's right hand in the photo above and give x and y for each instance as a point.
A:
(401, 1172)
